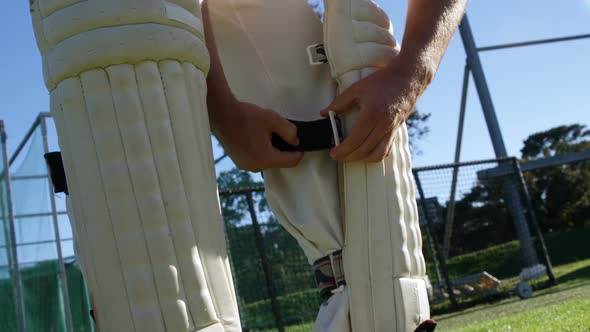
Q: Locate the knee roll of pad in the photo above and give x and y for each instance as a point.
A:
(357, 38)
(383, 261)
(128, 95)
(77, 35)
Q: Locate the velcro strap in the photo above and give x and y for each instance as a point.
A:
(56, 172)
(313, 136)
(329, 273)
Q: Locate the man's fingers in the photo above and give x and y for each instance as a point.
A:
(377, 136)
(285, 129)
(380, 152)
(390, 148)
(362, 128)
(343, 102)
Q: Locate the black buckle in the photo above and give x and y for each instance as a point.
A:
(316, 54)
(56, 172)
(313, 136)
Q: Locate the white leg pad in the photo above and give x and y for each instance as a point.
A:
(135, 139)
(382, 240)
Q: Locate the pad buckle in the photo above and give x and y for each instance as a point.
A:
(329, 274)
(57, 173)
(316, 54)
(336, 127)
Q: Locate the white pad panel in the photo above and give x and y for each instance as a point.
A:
(77, 35)
(128, 94)
(382, 240)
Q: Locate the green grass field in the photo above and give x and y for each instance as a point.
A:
(563, 307)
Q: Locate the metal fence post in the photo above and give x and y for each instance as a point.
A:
(441, 258)
(11, 244)
(62, 268)
(527, 250)
(533, 220)
(265, 265)
(451, 210)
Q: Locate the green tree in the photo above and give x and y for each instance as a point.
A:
(560, 194)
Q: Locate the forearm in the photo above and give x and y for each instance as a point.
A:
(430, 25)
(220, 99)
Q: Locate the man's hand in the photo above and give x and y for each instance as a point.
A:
(244, 130)
(384, 100)
(246, 137)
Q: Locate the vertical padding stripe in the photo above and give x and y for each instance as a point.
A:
(357, 263)
(205, 208)
(408, 201)
(418, 263)
(113, 311)
(161, 137)
(401, 257)
(380, 245)
(76, 213)
(146, 189)
(121, 204)
(191, 164)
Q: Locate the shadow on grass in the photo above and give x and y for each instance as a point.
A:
(571, 280)
(583, 273)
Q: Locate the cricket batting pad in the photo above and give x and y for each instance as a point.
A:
(383, 262)
(128, 95)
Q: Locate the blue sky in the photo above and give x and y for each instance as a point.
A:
(533, 88)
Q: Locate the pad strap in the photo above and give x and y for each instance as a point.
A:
(313, 136)
(329, 274)
(56, 172)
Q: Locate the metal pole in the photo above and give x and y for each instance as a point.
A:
(441, 258)
(534, 222)
(533, 42)
(265, 266)
(27, 136)
(62, 268)
(432, 251)
(451, 209)
(15, 272)
(527, 251)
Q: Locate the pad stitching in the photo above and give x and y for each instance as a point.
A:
(136, 204)
(210, 286)
(208, 278)
(182, 178)
(106, 201)
(59, 7)
(192, 30)
(104, 68)
(160, 186)
(420, 269)
(81, 208)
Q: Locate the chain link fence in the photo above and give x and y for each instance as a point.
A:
(473, 250)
